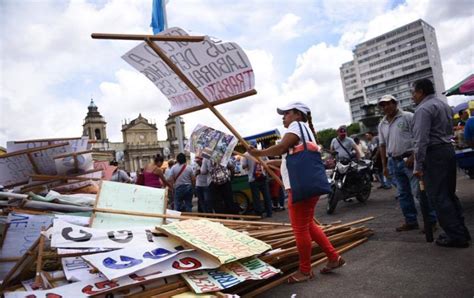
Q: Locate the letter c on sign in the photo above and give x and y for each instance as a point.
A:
(113, 264)
(66, 231)
(190, 264)
(128, 238)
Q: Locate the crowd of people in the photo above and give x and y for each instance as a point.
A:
(406, 149)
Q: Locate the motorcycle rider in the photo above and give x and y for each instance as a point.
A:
(396, 149)
(343, 145)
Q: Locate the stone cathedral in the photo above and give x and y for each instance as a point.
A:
(140, 140)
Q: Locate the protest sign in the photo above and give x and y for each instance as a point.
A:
(67, 235)
(225, 244)
(23, 231)
(127, 260)
(219, 70)
(211, 144)
(80, 182)
(129, 197)
(185, 262)
(107, 169)
(76, 269)
(228, 275)
(74, 163)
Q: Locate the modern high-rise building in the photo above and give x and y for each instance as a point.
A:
(389, 64)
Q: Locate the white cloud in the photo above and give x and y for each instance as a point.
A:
(51, 66)
(286, 29)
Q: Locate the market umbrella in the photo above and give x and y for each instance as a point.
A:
(465, 87)
(460, 107)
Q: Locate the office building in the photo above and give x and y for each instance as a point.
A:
(389, 64)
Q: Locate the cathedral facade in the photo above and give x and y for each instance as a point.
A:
(139, 144)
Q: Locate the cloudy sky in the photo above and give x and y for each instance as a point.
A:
(50, 66)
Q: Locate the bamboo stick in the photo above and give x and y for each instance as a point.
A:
(146, 214)
(39, 260)
(145, 36)
(221, 215)
(161, 289)
(201, 96)
(283, 279)
(167, 294)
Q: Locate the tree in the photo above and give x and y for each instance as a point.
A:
(325, 136)
(353, 129)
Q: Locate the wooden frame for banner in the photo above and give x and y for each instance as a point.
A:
(28, 153)
(149, 40)
(46, 140)
(123, 212)
(74, 156)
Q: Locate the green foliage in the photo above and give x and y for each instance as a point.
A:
(353, 129)
(325, 136)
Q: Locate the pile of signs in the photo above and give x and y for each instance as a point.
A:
(189, 256)
(64, 165)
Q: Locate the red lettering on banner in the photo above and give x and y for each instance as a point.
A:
(106, 284)
(190, 264)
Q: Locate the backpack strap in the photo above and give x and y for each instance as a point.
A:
(343, 147)
(180, 172)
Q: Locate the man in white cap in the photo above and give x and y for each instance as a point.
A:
(396, 150)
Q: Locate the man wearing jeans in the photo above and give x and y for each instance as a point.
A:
(435, 162)
(202, 185)
(396, 149)
(258, 182)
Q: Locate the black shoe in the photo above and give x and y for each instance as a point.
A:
(407, 227)
(444, 242)
(434, 227)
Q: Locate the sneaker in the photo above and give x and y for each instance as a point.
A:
(451, 243)
(407, 227)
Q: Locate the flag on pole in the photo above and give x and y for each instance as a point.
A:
(158, 16)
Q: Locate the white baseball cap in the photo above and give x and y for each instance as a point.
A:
(295, 105)
(387, 98)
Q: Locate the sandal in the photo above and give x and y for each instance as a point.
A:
(339, 263)
(292, 279)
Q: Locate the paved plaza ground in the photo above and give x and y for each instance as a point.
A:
(392, 264)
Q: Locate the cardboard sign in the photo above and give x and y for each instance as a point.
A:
(185, 262)
(74, 164)
(16, 167)
(218, 69)
(228, 275)
(125, 261)
(107, 170)
(23, 231)
(225, 244)
(212, 144)
(67, 235)
(129, 197)
(76, 269)
(75, 144)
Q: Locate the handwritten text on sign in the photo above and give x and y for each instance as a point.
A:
(218, 69)
(228, 275)
(225, 244)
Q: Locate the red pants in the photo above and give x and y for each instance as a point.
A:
(301, 217)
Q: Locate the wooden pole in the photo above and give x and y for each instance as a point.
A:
(151, 37)
(221, 215)
(283, 279)
(201, 96)
(145, 214)
(39, 260)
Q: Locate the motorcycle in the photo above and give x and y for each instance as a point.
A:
(350, 178)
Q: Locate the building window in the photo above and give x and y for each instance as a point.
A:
(97, 134)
